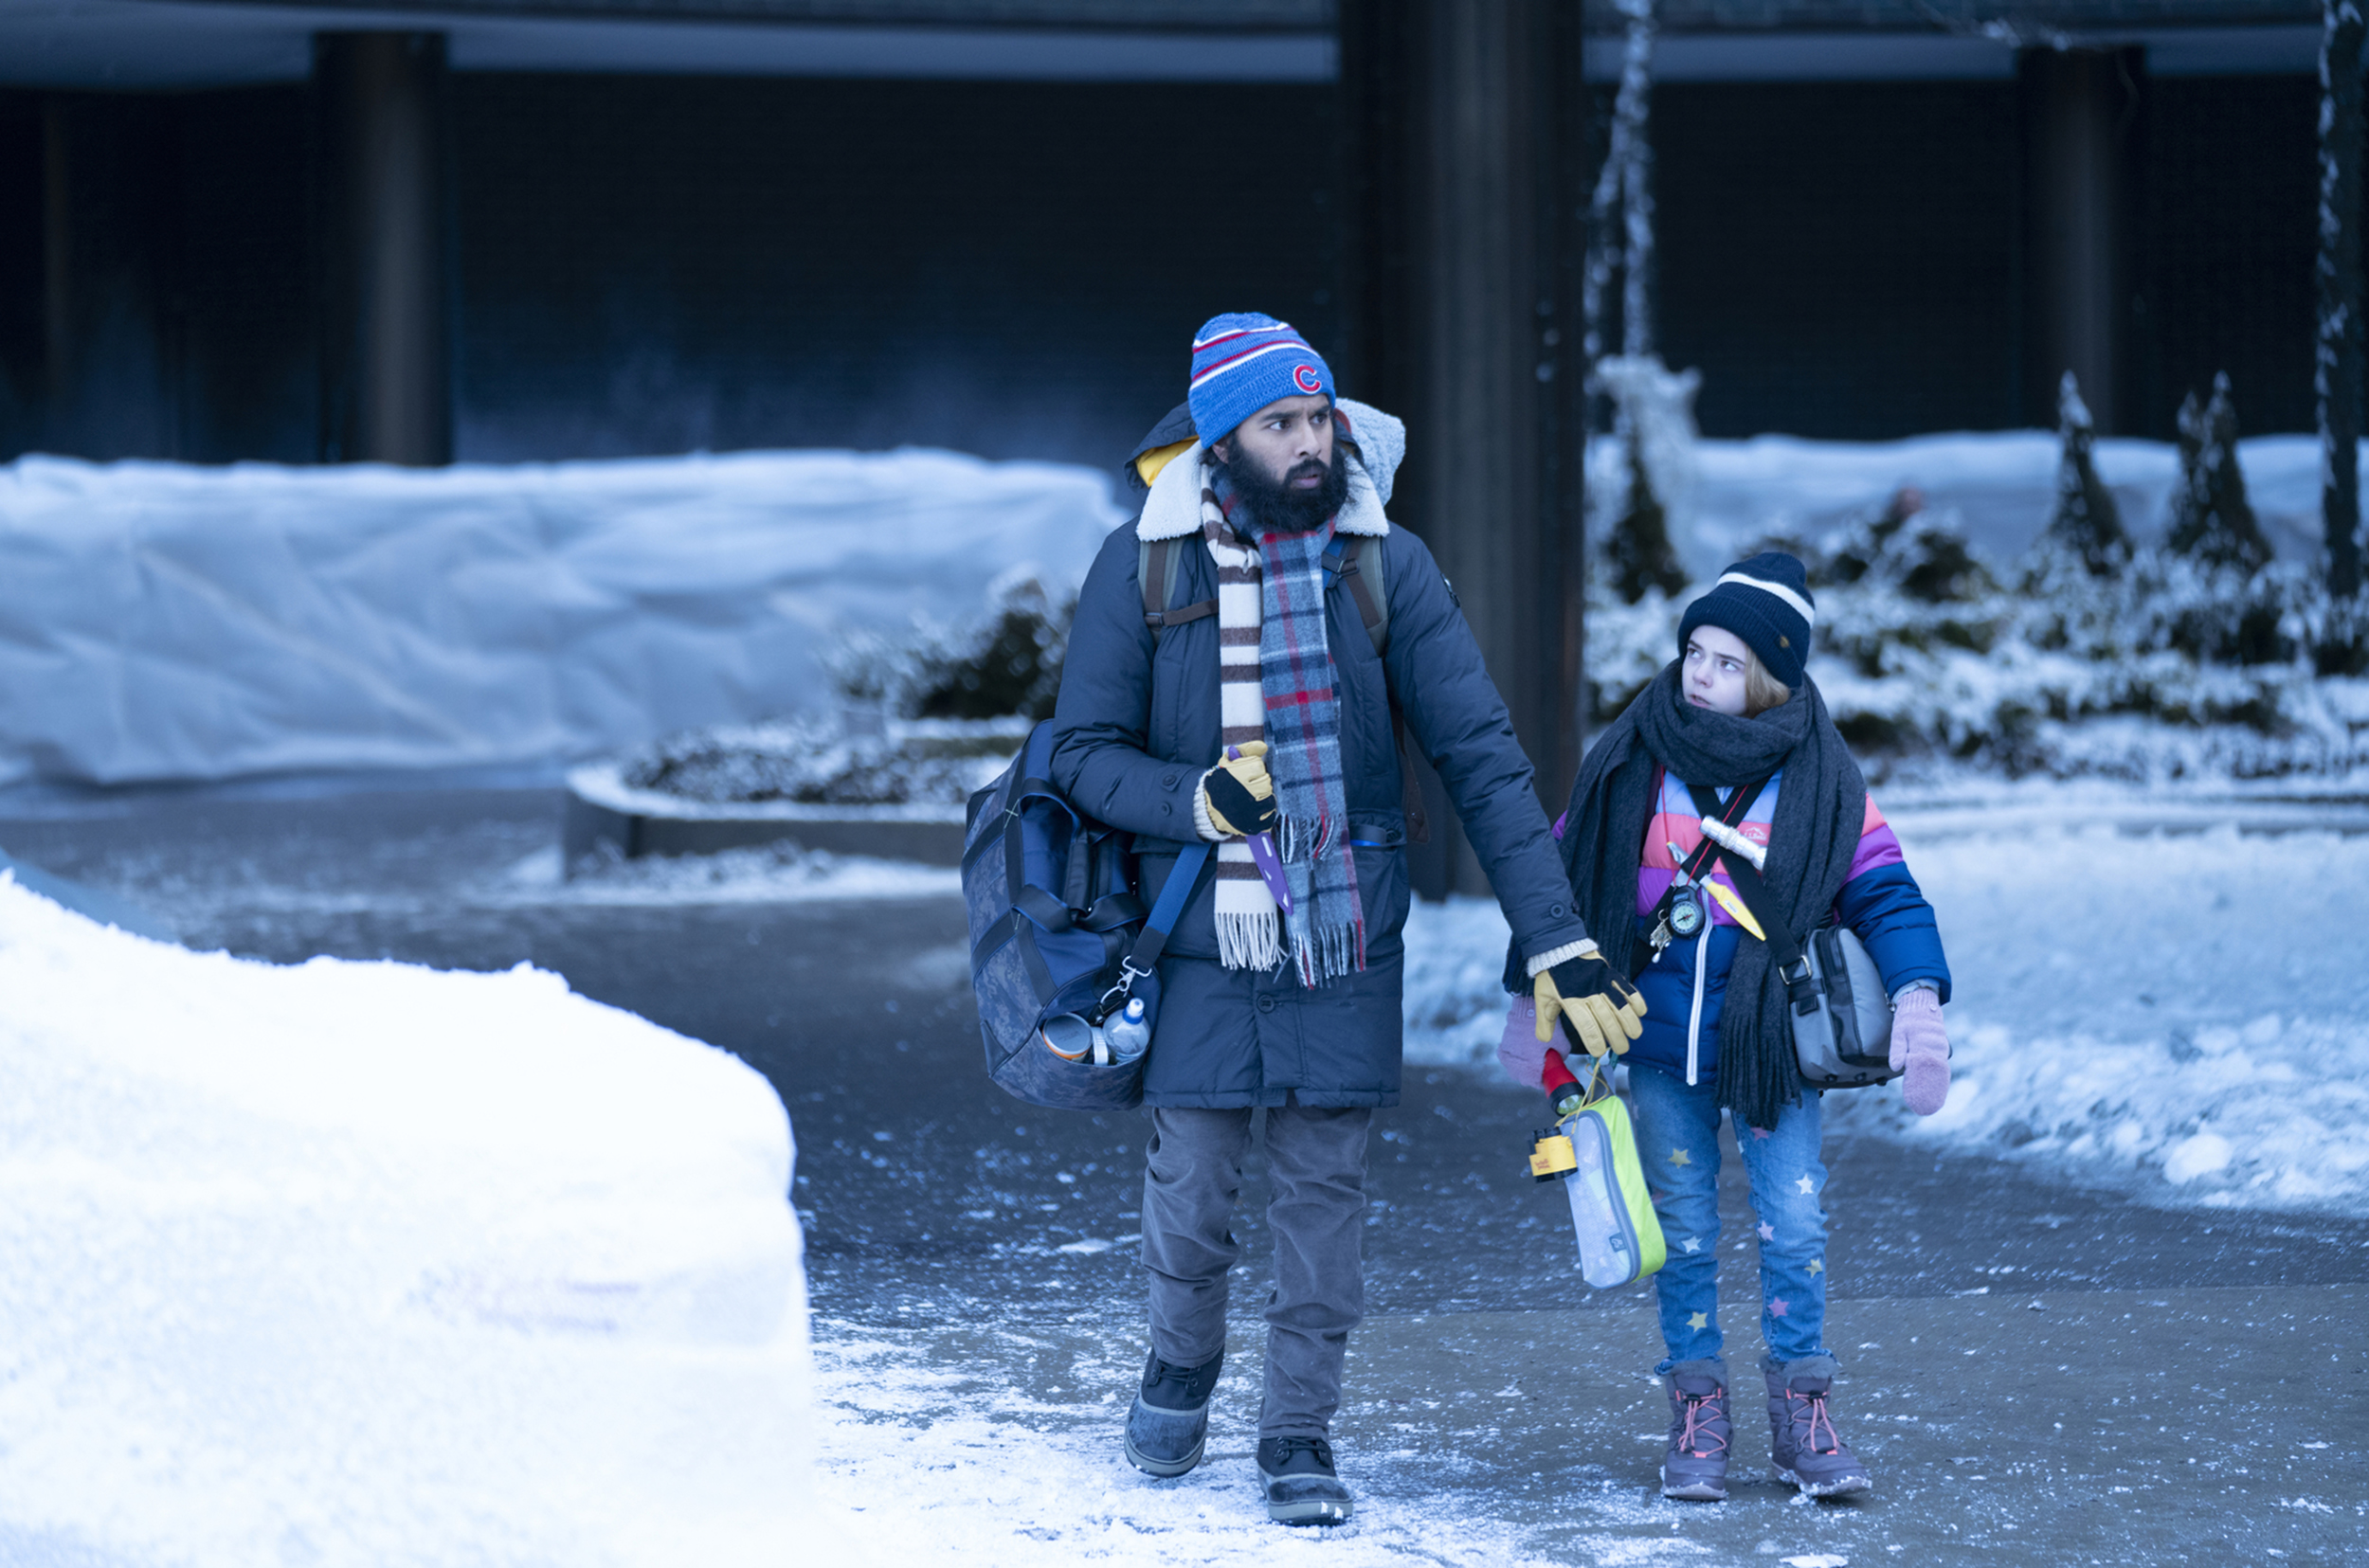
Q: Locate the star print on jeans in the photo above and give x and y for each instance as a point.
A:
(1759, 1133)
(1768, 1231)
(1806, 1185)
(1777, 1306)
(1678, 1157)
(1698, 1320)
(1815, 1267)
(1689, 1245)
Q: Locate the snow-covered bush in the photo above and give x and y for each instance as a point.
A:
(1638, 508)
(2106, 658)
(926, 715)
(821, 762)
(1005, 661)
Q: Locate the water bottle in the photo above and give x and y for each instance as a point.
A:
(1129, 1033)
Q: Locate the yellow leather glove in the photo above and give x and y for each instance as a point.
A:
(1602, 1007)
(1239, 795)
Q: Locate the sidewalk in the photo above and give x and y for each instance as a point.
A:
(2117, 1427)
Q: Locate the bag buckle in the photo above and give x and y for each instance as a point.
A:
(1115, 998)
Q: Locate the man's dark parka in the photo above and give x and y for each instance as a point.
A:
(1137, 724)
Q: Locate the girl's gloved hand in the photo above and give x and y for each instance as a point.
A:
(1523, 1054)
(1920, 1049)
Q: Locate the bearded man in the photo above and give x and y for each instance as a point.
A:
(1241, 665)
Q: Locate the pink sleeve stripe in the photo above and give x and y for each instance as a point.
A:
(1874, 819)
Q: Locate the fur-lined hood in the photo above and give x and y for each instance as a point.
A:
(1374, 445)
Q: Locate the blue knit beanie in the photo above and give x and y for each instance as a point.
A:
(1241, 363)
(1766, 602)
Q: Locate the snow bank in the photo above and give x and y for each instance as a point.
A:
(165, 621)
(367, 1264)
(2003, 486)
(2181, 1013)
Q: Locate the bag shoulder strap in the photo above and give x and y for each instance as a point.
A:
(1792, 966)
(1166, 911)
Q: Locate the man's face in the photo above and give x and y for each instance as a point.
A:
(1290, 440)
(1281, 460)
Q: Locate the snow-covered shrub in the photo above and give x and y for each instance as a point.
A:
(2087, 527)
(1654, 418)
(1005, 661)
(819, 762)
(2211, 521)
(2106, 659)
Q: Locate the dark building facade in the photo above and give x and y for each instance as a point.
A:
(535, 229)
(730, 254)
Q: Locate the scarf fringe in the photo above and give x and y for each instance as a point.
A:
(1250, 941)
(1329, 954)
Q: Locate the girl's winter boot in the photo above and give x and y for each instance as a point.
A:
(1695, 1466)
(1801, 1437)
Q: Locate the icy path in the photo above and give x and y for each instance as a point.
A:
(2185, 1014)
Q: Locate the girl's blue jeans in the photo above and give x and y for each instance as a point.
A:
(1677, 1137)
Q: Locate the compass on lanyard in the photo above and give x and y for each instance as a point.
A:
(1685, 901)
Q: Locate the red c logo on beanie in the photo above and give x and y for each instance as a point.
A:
(1306, 379)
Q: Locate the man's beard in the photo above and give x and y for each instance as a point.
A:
(1275, 506)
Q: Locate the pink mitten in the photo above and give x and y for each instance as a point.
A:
(1921, 1046)
(1520, 1049)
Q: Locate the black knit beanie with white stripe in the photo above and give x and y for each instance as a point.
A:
(1766, 602)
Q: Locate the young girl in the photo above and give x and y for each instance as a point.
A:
(1734, 709)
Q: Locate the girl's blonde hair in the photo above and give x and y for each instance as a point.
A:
(1761, 690)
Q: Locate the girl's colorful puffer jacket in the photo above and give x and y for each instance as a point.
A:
(1684, 987)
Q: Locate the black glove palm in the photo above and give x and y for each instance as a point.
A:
(1240, 794)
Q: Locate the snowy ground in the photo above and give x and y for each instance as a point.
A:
(2182, 1012)
(978, 1309)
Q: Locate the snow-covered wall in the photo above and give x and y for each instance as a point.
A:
(160, 621)
(370, 1265)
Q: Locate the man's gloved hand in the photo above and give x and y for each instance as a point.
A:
(1238, 794)
(1602, 1007)
(1921, 1048)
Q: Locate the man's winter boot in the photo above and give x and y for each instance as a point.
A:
(1168, 1426)
(1302, 1488)
(1801, 1437)
(1694, 1468)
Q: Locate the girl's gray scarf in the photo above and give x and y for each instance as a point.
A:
(1822, 804)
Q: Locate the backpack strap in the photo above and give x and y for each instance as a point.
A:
(1156, 565)
(1358, 563)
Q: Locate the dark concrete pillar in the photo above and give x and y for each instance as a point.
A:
(1464, 118)
(386, 342)
(2082, 124)
(110, 317)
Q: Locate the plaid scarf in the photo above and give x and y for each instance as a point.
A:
(1276, 684)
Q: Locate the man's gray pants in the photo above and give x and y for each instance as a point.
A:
(1316, 1209)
